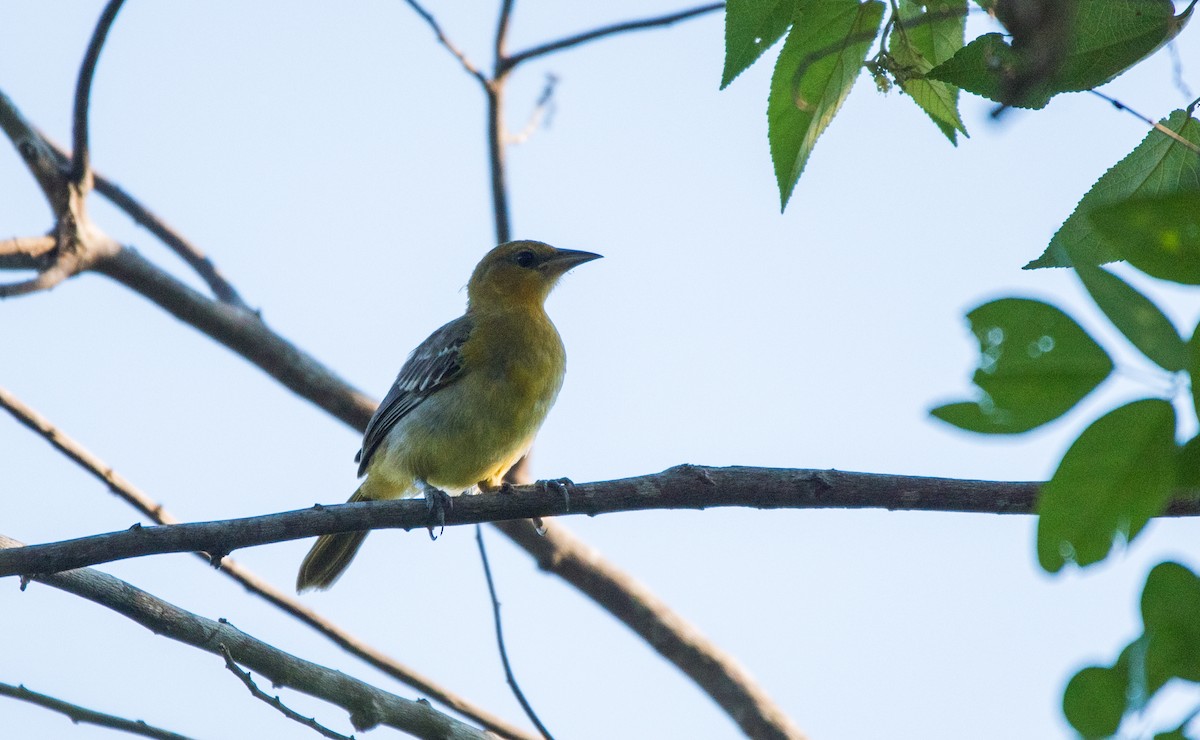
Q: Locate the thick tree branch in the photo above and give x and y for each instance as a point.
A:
(599, 33)
(80, 160)
(368, 706)
(78, 714)
(152, 509)
(681, 487)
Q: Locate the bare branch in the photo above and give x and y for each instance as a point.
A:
(545, 102)
(51, 277)
(39, 158)
(466, 63)
(1148, 121)
(78, 714)
(506, 8)
(190, 253)
(680, 487)
(368, 706)
(80, 164)
(276, 702)
(244, 333)
(508, 673)
(252, 582)
(25, 252)
(599, 33)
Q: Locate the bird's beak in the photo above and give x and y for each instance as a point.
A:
(565, 259)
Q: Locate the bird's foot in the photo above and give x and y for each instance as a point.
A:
(561, 486)
(436, 501)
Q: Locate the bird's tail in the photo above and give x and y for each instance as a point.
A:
(331, 555)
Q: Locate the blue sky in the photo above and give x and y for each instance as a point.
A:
(331, 161)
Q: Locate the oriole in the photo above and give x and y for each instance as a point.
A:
(469, 399)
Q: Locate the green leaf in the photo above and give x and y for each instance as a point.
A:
(1188, 473)
(1176, 734)
(1116, 475)
(1035, 364)
(1158, 235)
(752, 27)
(1157, 166)
(1094, 700)
(1062, 54)
(1193, 367)
(924, 36)
(1171, 613)
(1136, 316)
(816, 69)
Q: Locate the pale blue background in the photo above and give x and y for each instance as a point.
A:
(330, 157)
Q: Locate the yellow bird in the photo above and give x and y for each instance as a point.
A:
(468, 401)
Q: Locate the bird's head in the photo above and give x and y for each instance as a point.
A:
(521, 273)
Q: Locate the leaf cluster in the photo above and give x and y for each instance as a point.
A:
(1047, 48)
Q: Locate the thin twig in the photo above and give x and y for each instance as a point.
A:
(368, 705)
(508, 673)
(80, 162)
(501, 42)
(1144, 119)
(277, 703)
(78, 714)
(190, 253)
(154, 510)
(616, 28)
(545, 102)
(466, 63)
(49, 278)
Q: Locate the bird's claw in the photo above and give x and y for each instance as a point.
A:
(437, 501)
(562, 486)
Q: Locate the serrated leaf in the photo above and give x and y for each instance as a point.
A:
(924, 36)
(1159, 235)
(1094, 700)
(1102, 40)
(818, 65)
(1115, 476)
(1171, 614)
(1135, 316)
(1158, 166)
(752, 27)
(1035, 364)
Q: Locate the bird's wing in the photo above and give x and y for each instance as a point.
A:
(434, 364)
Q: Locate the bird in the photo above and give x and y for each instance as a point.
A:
(468, 401)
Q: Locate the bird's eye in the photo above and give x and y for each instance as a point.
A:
(525, 258)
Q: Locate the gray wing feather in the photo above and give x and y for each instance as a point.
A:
(434, 364)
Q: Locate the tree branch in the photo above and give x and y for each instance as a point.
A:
(466, 63)
(680, 487)
(599, 33)
(78, 714)
(188, 252)
(368, 706)
(25, 252)
(152, 509)
(245, 333)
(80, 164)
(276, 702)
